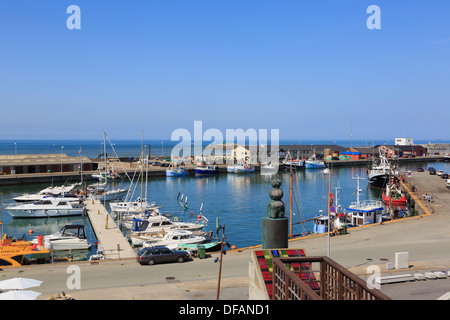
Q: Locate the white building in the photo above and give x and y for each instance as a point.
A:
(404, 141)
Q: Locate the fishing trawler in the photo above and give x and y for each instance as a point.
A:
(364, 212)
(206, 170)
(314, 163)
(395, 195)
(378, 174)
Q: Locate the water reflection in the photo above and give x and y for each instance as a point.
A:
(239, 201)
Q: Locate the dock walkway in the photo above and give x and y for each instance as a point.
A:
(115, 245)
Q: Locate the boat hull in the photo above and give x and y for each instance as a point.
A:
(44, 213)
(201, 172)
(245, 170)
(61, 244)
(114, 195)
(378, 181)
(175, 173)
(314, 165)
(293, 166)
(395, 201)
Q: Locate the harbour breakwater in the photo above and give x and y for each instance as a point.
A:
(158, 171)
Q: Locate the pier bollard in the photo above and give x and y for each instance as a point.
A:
(106, 222)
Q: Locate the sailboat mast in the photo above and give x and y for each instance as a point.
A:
(106, 160)
(142, 166)
(290, 197)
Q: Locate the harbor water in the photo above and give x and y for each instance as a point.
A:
(239, 201)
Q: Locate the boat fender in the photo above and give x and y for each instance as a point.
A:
(199, 217)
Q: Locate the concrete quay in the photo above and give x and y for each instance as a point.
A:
(115, 245)
(156, 171)
(426, 238)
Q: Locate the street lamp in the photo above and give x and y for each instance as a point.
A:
(62, 147)
(327, 172)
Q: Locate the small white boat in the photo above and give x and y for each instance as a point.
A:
(244, 168)
(48, 207)
(99, 192)
(132, 207)
(241, 168)
(173, 238)
(70, 237)
(269, 169)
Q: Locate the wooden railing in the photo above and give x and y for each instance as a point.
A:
(298, 279)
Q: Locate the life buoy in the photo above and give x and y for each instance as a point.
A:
(175, 219)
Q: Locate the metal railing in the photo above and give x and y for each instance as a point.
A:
(297, 279)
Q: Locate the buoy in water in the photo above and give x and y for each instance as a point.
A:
(30, 231)
(233, 247)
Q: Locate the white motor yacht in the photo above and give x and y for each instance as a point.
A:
(60, 191)
(47, 207)
(145, 228)
(173, 238)
(70, 237)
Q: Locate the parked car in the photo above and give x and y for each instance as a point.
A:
(154, 255)
(155, 163)
(440, 172)
(432, 171)
(431, 168)
(419, 169)
(444, 176)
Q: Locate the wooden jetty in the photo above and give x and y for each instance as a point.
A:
(115, 245)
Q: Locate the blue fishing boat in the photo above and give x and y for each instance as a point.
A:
(314, 163)
(176, 172)
(206, 170)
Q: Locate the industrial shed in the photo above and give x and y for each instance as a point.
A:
(42, 163)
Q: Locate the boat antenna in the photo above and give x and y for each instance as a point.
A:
(358, 190)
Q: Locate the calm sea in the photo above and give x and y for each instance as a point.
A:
(132, 148)
(239, 201)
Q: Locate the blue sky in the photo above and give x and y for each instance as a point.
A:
(311, 69)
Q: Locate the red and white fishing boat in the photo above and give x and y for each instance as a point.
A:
(397, 197)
